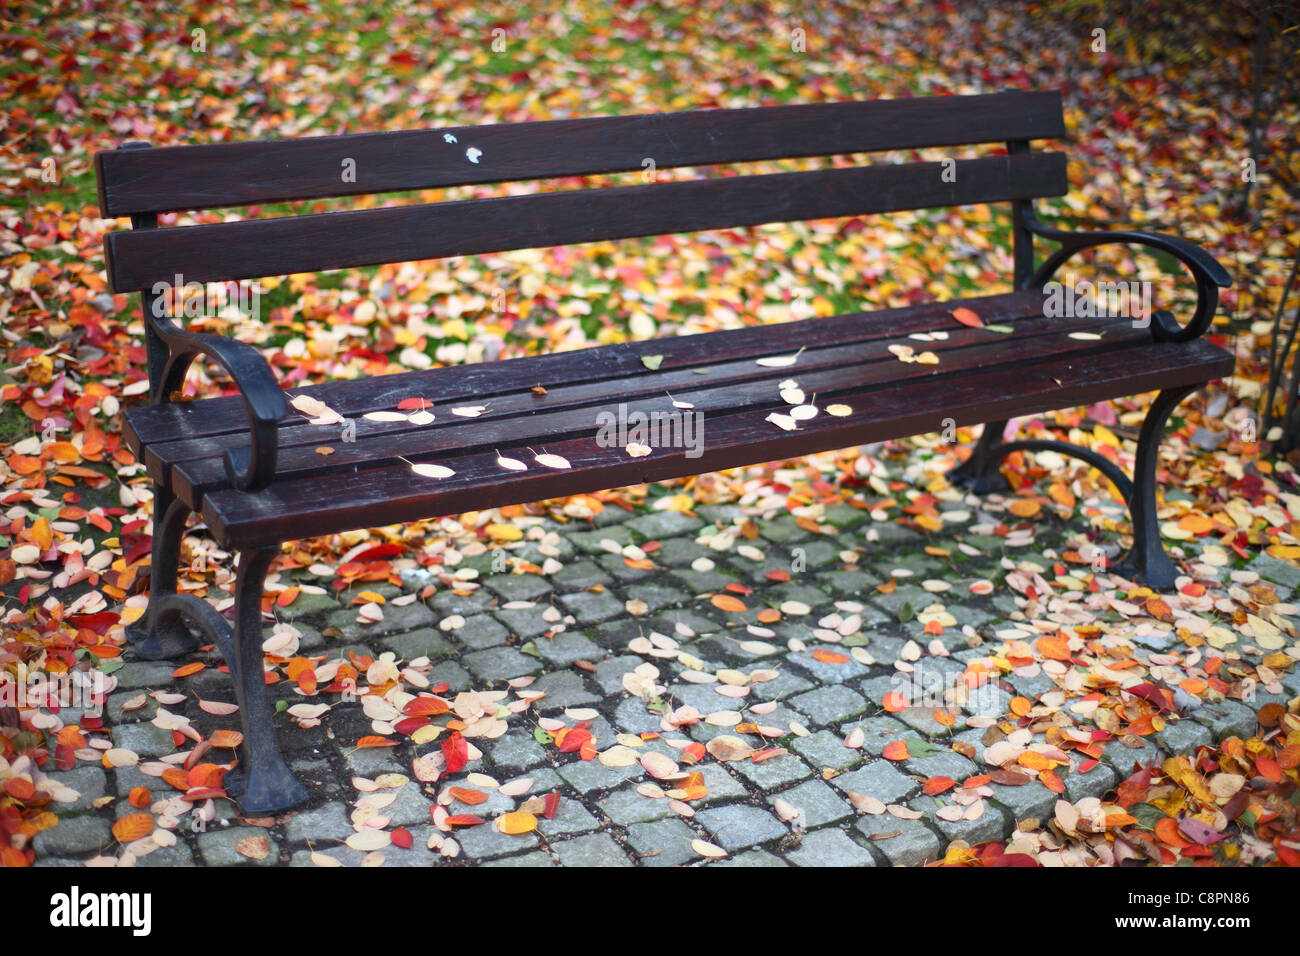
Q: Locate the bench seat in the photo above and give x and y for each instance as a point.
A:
(981, 375)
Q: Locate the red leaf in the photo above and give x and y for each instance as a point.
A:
(456, 752)
(402, 837)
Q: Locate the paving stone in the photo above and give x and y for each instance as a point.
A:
(755, 857)
(217, 847)
(625, 806)
(663, 524)
(594, 849)
(74, 834)
(592, 607)
(524, 623)
(566, 647)
(1031, 801)
(912, 842)
(776, 772)
(786, 684)
(829, 705)
(782, 530)
(308, 605)
(923, 721)
(824, 672)
(588, 775)
(321, 826)
(571, 817)
(580, 575)
(1226, 718)
(480, 631)
(345, 855)
(657, 596)
(145, 739)
(486, 841)
(422, 642)
(451, 673)
(879, 779)
(518, 587)
(737, 826)
(879, 732)
(593, 542)
(138, 674)
(1094, 783)
(1184, 736)
(664, 842)
(945, 763)
(448, 602)
(991, 825)
(1276, 570)
(395, 620)
(563, 689)
(830, 847)
(1123, 758)
(500, 663)
(90, 782)
(536, 858)
(609, 672)
(825, 749)
(680, 552)
(624, 574)
(632, 717)
(372, 761)
(817, 801)
(169, 856)
(412, 806)
(719, 782)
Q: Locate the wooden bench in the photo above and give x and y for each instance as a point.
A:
(249, 467)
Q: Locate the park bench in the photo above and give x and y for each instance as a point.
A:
(248, 464)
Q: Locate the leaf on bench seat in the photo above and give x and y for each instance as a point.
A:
(552, 461)
(779, 361)
(510, 464)
(426, 470)
(968, 317)
(839, 411)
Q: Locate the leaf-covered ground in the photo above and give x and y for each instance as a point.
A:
(1156, 140)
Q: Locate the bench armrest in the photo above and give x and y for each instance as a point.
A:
(1210, 276)
(248, 468)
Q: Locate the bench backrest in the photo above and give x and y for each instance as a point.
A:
(140, 182)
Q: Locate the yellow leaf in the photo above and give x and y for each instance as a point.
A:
(517, 822)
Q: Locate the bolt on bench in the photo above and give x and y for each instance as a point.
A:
(249, 467)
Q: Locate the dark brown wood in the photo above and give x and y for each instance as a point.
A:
(233, 174)
(373, 497)
(711, 396)
(243, 250)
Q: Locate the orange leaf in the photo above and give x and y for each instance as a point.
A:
(177, 777)
(830, 657)
(968, 317)
(464, 820)
(20, 788)
(1033, 760)
(895, 751)
(725, 602)
(937, 785)
(944, 718)
(894, 702)
(426, 707)
(287, 596)
(1055, 647)
(41, 534)
(1167, 832)
(139, 797)
(1025, 507)
(769, 615)
(1020, 706)
(185, 670)
(1051, 781)
(226, 738)
(468, 795)
(375, 741)
(1268, 767)
(132, 827)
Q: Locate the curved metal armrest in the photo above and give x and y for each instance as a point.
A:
(248, 468)
(1207, 271)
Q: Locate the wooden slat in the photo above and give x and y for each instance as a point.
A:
(232, 174)
(380, 496)
(146, 426)
(243, 250)
(723, 392)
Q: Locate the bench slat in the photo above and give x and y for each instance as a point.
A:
(389, 495)
(718, 394)
(147, 426)
(264, 247)
(219, 175)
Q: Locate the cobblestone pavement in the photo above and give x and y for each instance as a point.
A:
(627, 592)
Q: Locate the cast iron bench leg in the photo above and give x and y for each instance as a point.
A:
(159, 636)
(262, 782)
(1147, 561)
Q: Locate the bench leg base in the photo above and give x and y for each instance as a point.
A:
(1146, 562)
